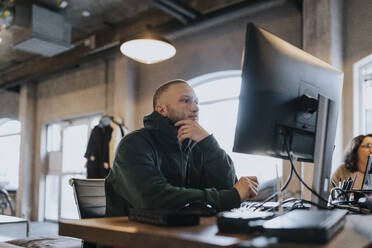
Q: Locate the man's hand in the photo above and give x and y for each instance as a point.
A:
(190, 129)
(246, 187)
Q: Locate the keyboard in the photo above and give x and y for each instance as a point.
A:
(250, 216)
(253, 205)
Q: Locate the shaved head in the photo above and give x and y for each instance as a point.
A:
(176, 100)
(163, 88)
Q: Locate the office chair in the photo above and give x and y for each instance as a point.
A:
(90, 200)
(90, 197)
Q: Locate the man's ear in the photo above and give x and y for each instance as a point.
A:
(161, 109)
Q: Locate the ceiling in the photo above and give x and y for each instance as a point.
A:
(108, 23)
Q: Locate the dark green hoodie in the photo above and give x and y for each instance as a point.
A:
(153, 170)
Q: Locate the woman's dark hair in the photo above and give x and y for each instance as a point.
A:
(351, 158)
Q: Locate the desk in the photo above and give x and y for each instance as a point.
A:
(13, 227)
(120, 232)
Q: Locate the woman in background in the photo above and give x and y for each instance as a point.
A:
(355, 161)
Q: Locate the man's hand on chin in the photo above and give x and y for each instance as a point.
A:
(190, 129)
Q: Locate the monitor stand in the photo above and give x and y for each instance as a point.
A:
(324, 147)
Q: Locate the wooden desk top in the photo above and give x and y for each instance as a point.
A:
(120, 232)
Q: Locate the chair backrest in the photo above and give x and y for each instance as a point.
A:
(90, 197)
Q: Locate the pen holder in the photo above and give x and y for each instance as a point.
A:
(339, 196)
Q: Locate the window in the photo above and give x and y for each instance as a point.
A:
(218, 95)
(362, 101)
(53, 137)
(367, 100)
(10, 142)
(66, 144)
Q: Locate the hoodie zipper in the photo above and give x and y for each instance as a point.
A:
(185, 165)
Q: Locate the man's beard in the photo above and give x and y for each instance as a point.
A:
(173, 116)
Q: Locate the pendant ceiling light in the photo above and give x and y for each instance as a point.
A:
(148, 50)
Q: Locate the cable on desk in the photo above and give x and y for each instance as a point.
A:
(276, 193)
(350, 208)
(298, 176)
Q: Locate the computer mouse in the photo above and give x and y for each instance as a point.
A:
(199, 208)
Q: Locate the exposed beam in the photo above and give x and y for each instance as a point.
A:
(181, 12)
(182, 8)
(110, 39)
(218, 17)
(35, 68)
(40, 65)
(169, 10)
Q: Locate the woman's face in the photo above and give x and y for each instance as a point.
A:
(364, 150)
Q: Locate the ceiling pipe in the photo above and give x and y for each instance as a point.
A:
(182, 8)
(219, 17)
(169, 10)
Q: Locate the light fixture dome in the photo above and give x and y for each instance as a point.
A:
(148, 50)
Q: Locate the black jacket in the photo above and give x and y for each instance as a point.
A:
(98, 146)
(153, 170)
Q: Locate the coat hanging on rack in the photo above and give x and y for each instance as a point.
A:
(97, 152)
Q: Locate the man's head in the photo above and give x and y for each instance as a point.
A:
(176, 100)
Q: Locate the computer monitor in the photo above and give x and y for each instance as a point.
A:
(287, 95)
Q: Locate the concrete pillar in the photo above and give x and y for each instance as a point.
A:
(122, 74)
(121, 77)
(322, 37)
(27, 109)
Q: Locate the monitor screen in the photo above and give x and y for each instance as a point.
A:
(279, 100)
(367, 179)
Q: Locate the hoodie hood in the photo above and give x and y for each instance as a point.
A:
(161, 124)
(167, 129)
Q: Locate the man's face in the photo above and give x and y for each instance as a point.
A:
(178, 102)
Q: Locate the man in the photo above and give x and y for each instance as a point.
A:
(173, 161)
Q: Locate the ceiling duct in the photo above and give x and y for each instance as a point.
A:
(51, 33)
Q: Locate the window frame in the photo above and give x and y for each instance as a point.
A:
(10, 134)
(359, 119)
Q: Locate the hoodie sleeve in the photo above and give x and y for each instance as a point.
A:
(218, 168)
(136, 178)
